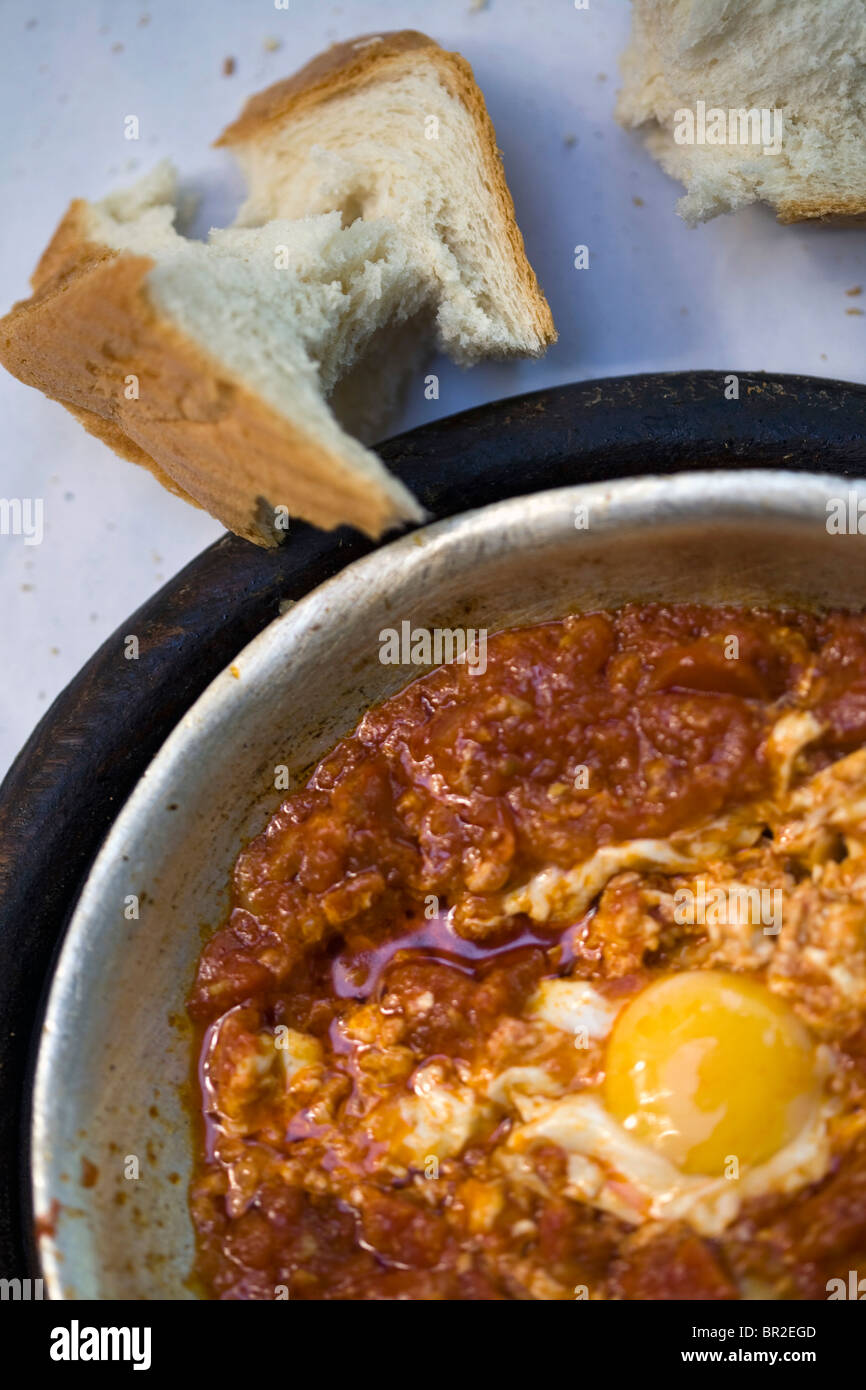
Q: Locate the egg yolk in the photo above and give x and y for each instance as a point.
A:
(707, 1066)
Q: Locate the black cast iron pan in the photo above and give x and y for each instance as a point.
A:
(77, 768)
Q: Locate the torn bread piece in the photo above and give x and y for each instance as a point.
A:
(217, 363)
(209, 363)
(392, 126)
(748, 101)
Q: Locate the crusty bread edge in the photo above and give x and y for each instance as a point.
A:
(358, 62)
(68, 251)
(836, 212)
(335, 70)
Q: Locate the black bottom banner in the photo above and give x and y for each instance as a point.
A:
(60, 1340)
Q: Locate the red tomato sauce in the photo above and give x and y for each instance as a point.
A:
(382, 882)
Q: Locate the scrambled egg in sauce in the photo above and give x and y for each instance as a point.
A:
(681, 1060)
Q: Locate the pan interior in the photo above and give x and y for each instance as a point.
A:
(112, 1132)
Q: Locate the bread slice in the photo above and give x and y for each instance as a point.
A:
(392, 126)
(804, 60)
(209, 363)
(213, 363)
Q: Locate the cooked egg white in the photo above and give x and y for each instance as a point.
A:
(712, 1094)
(560, 895)
(574, 1006)
(617, 1173)
(437, 1117)
(570, 1007)
(295, 1051)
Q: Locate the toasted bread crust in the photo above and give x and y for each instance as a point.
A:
(842, 212)
(370, 58)
(340, 67)
(91, 324)
(68, 252)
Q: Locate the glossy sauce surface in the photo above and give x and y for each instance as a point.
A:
(381, 887)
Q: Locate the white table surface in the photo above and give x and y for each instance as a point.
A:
(741, 292)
